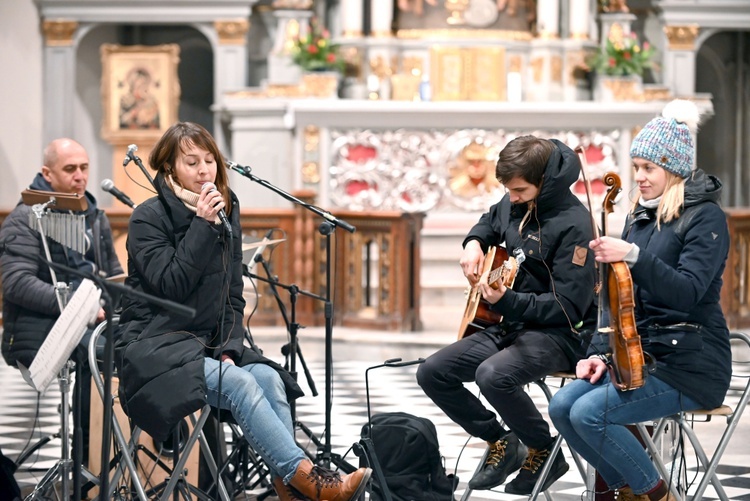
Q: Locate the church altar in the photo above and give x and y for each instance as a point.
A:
(401, 155)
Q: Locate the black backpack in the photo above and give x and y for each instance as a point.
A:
(407, 450)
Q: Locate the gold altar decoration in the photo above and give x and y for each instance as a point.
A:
(628, 88)
(472, 73)
(458, 34)
(473, 174)
(405, 87)
(323, 84)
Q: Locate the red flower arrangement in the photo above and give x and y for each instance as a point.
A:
(316, 52)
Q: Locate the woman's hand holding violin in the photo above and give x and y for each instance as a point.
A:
(609, 250)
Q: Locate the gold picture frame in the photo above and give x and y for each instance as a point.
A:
(140, 90)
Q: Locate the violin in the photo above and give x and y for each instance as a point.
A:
(627, 365)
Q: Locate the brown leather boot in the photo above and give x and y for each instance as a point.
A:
(318, 483)
(285, 492)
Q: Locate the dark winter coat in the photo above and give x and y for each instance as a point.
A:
(554, 289)
(175, 255)
(677, 279)
(30, 306)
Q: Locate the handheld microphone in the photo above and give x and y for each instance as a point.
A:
(259, 251)
(222, 214)
(109, 187)
(129, 155)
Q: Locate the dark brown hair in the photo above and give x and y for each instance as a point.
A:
(181, 135)
(525, 157)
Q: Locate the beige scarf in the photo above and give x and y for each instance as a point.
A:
(188, 198)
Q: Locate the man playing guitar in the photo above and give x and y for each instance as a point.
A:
(547, 229)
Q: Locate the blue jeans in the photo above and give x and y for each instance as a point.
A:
(256, 397)
(592, 418)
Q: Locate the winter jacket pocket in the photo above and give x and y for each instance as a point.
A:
(676, 338)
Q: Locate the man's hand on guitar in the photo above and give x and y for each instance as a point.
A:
(489, 294)
(471, 261)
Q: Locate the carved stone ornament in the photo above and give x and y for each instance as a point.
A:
(420, 171)
(232, 31)
(59, 33)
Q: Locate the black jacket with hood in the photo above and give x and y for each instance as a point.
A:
(554, 289)
(30, 306)
(175, 255)
(677, 283)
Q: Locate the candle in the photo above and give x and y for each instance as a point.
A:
(578, 19)
(548, 18)
(351, 14)
(514, 87)
(381, 18)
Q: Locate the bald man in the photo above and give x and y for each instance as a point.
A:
(30, 306)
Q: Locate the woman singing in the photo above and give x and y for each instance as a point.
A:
(171, 365)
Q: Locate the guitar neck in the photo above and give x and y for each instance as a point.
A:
(495, 275)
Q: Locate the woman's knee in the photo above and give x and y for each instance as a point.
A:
(265, 375)
(559, 408)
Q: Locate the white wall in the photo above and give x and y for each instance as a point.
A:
(20, 98)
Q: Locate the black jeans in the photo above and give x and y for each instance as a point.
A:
(501, 367)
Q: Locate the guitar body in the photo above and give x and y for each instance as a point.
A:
(477, 314)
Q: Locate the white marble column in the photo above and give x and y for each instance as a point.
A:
(231, 54)
(679, 60)
(548, 18)
(59, 78)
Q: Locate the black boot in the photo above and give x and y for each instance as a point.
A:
(505, 456)
(526, 480)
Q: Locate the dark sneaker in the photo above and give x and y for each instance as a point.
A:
(505, 456)
(526, 480)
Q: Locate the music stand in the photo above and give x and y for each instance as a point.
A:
(69, 230)
(326, 228)
(51, 359)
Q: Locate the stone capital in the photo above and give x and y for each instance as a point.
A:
(232, 31)
(59, 32)
(682, 37)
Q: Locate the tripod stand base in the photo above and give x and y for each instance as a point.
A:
(51, 485)
(323, 457)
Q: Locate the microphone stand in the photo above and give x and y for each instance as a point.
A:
(130, 155)
(326, 228)
(292, 326)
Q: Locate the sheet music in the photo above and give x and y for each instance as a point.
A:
(64, 336)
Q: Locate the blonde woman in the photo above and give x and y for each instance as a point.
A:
(675, 242)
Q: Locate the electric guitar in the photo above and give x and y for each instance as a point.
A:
(498, 266)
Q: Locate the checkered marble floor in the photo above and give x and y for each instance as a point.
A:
(391, 389)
